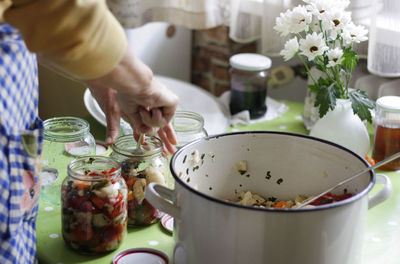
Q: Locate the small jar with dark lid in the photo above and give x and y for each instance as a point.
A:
(387, 131)
(249, 77)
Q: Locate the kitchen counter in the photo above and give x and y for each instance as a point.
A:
(382, 236)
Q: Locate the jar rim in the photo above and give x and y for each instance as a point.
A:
(195, 122)
(77, 168)
(126, 146)
(66, 128)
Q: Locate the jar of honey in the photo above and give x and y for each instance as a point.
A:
(249, 78)
(387, 131)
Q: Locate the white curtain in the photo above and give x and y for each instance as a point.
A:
(248, 20)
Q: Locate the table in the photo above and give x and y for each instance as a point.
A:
(382, 236)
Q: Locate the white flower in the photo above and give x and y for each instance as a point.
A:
(282, 23)
(352, 33)
(318, 8)
(313, 45)
(293, 21)
(335, 57)
(290, 49)
(300, 19)
(334, 21)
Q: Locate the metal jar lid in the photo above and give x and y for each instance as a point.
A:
(140, 256)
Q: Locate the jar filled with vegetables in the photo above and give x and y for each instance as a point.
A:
(139, 167)
(94, 205)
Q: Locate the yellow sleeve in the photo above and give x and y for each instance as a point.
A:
(80, 37)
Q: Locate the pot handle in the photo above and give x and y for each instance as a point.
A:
(161, 198)
(383, 194)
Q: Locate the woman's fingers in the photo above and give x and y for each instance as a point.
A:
(167, 135)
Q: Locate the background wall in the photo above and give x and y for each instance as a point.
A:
(211, 50)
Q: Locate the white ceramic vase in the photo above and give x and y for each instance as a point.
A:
(343, 127)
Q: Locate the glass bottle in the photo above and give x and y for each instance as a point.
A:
(387, 131)
(140, 167)
(64, 139)
(188, 126)
(94, 198)
(249, 78)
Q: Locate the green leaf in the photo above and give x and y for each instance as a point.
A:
(326, 96)
(361, 104)
(350, 59)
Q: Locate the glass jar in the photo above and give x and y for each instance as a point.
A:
(249, 78)
(140, 167)
(188, 126)
(94, 198)
(64, 139)
(387, 131)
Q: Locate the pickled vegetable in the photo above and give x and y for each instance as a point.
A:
(140, 211)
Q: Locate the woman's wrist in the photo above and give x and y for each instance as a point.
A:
(130, 76)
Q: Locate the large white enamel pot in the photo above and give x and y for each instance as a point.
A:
(207, 229)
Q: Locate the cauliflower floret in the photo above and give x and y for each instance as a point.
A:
(194, 157)
(259, 199)
(84, 218)
(100, 220)
(154, 174)
(241, 167)
(133, 172)
(107, 192)
(300, 199)
(138, 189)
(247, 199)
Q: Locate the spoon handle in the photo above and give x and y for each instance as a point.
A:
(139, 142)
(376, 165)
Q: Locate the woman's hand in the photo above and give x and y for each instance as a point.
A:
(131, 92)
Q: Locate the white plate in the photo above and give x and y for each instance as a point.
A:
(191, 98)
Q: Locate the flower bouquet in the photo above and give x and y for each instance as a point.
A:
(323, 35)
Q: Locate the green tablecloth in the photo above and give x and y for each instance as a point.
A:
(382, 236)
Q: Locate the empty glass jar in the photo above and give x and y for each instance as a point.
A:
(188, 126)
(94, 198)
(140, 167)
(65, 138)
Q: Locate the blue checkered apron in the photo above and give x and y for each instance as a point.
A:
(20, 148)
